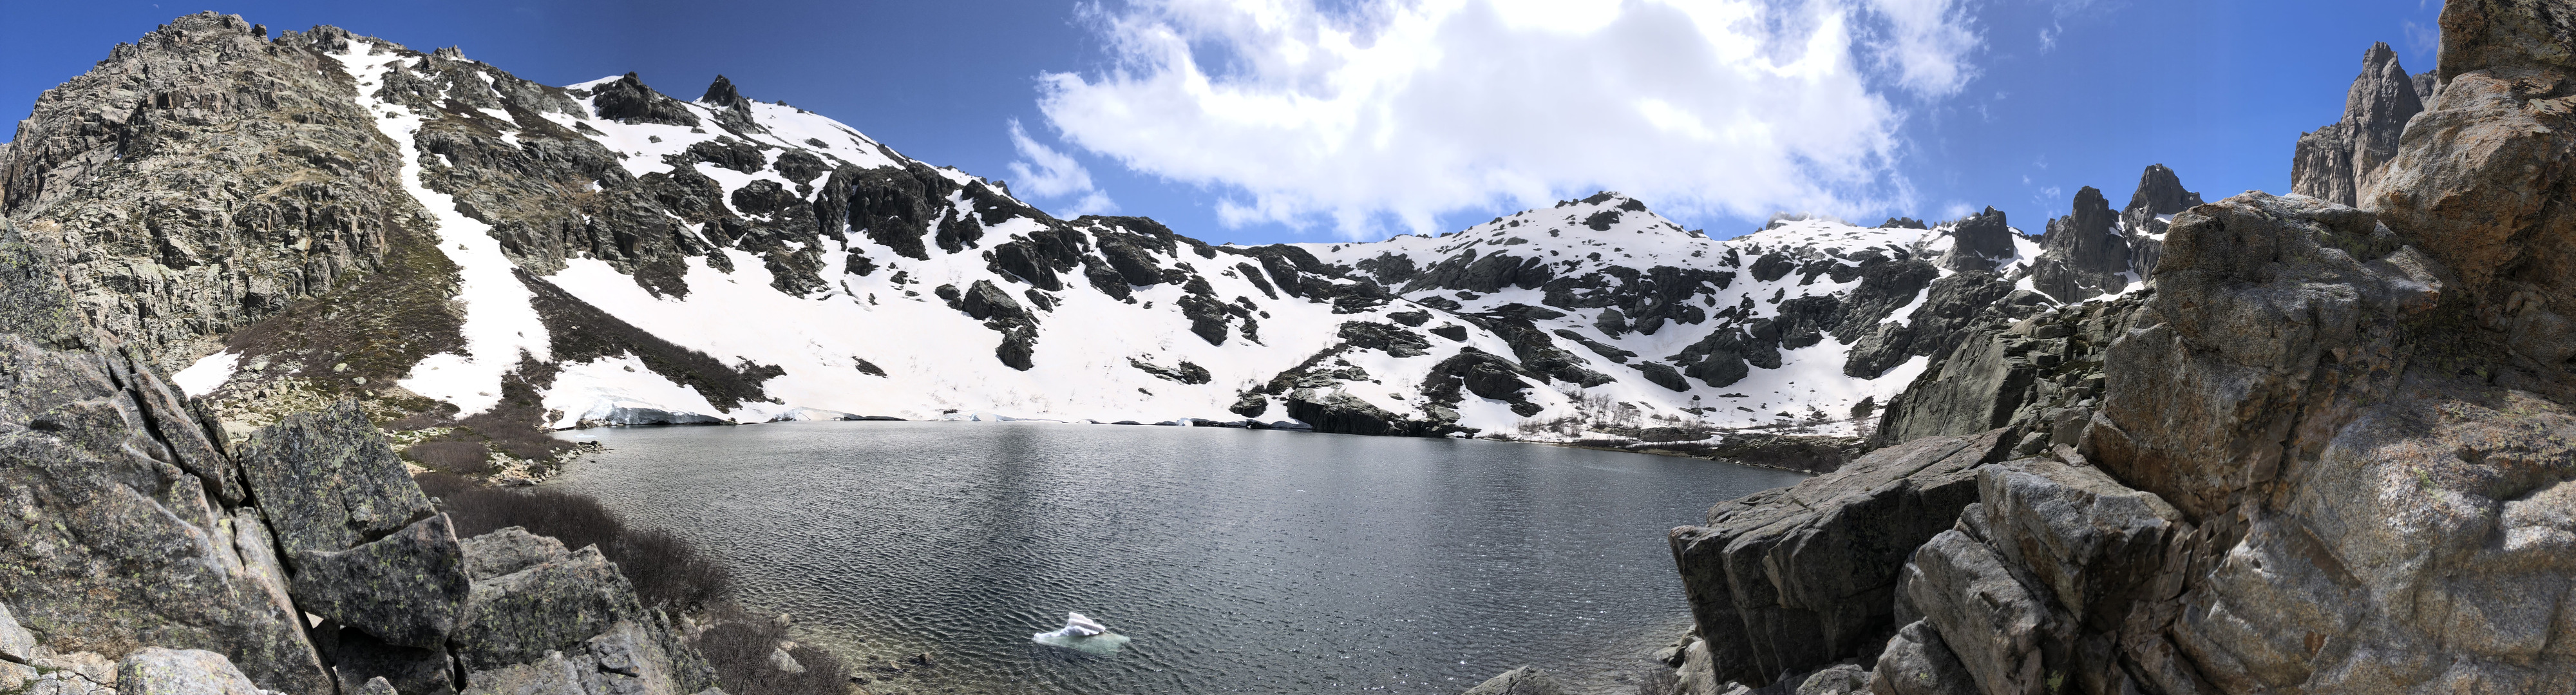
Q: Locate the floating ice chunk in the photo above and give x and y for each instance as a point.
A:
(1079, 625)
(1082, 634)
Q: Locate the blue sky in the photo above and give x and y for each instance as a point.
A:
(1304, 120)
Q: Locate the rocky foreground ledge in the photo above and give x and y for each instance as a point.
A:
(143, 558)
(2332, 449)
(142, 554)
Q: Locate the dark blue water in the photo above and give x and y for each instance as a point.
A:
(1239, 561)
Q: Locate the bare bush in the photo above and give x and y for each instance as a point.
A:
(665, 569)
(470, 458)
(666, 572)
(576, 520)
(740, 645)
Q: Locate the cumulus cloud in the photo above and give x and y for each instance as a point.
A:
(1927, 43)
(1051, 175)
(1403, 110)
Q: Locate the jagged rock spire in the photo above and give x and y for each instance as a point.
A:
(2083, 254)
(627, 100)
(2335, 162)
(736, 113)
(1979, 242)
(2160, 192)
(2160, 195)
(722, 93)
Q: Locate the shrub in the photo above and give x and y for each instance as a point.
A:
(665, 569)
(739, 647)
(574, 519)
(444, 485)
(455, 456)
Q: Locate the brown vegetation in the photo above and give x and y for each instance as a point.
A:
(667, 573)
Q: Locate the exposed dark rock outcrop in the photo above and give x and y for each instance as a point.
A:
(2160, 195)
(2336, 162)
(1794, 579)
(1980, 242)
(112, 549)
(733, 112)
(2018, 366)
(2083, 254)
(627, 99)
(1950, 306)
(1483, 375)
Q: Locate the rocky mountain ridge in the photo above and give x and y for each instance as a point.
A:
(478, 258)
(2324, 450)
(2262, 444)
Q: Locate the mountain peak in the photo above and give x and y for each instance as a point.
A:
(721, 93)
(2160, 192)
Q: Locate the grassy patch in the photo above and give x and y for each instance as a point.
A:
(358, 339)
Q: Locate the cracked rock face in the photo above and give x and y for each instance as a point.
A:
(624, 659)
(109, 548)
(552, 606)
(210, 173)
(404, 588)
(2336, 162)
(330, 480)
(157, 671)
(127, 571)
(1794, 579)
(2328, 452)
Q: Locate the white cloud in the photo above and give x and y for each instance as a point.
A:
(1053, 175)
(2070, 8)
(1929, 42)
(1403, 110)
(2423, 40)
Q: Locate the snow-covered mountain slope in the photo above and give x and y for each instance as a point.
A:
(605, 254)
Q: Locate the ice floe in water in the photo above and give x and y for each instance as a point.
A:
(1082, 634)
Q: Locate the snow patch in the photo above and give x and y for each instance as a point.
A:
(207, 374)
(500, 323)
(597, 390)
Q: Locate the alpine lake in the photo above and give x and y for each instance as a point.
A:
(1232, 561)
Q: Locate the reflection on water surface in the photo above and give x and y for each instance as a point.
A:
(1237, 561)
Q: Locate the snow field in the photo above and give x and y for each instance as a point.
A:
(940, 364)
(500, 323)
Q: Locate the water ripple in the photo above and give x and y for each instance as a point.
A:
(1239, 561)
